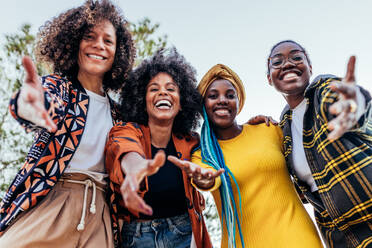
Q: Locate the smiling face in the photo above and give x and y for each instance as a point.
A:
(97, 50)
(221, 104)
(292, 78)
(162, 98)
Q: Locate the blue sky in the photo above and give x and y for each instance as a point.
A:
(240, 35)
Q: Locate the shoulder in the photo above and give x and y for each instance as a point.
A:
(262, 130)
(55, 79)
(196, 155)
(127, 127)
(321, 83)
(189, 141)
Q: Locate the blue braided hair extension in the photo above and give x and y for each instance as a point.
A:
(211, 154)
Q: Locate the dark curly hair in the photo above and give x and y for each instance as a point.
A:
(281, 42)
(133, 94)
(59, 41)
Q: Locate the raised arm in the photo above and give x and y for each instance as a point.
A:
(346, 109)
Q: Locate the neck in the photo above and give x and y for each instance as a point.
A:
(229, 132)
(160, 134)
(91, 82)
(294, 100)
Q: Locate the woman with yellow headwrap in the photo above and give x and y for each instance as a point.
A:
(255, 197)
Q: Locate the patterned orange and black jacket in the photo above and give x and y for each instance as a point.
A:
(131, 137)
(67, 103)
(342, 169)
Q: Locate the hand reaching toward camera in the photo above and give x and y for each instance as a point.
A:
(136, 169)
(346, 107)
(202, 177)
(31, 99)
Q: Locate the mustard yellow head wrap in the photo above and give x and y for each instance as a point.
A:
(220, 71)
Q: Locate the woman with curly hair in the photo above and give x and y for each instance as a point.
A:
(159, 206)
(91, 52)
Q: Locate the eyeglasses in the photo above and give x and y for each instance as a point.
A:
(295, 57)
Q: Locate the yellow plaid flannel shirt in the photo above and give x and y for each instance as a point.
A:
(342, 169)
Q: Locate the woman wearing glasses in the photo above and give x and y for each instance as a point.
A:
(327, 127)
(270, 214)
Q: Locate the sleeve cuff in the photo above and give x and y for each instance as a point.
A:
(217, 184)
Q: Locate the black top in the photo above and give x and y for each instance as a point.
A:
(166, 193)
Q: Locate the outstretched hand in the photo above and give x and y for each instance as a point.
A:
(346, 107)
(203, 178)
(129, 188)
(31, 98)
(261, 119)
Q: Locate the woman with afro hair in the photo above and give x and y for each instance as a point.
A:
(160, 106)
(91, 52)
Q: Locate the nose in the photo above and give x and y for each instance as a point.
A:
(163, 91)
(222, 99)
(288, 64)
(99, 43)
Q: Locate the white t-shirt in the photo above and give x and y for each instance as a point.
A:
(89, 156)
(300, 165)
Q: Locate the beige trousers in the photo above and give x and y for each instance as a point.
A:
(54, 221)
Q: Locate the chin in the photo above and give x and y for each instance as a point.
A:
(222, 124)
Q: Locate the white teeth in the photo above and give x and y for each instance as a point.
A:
(163, 104)
(95, 56)
(290, 75)
(222, 112)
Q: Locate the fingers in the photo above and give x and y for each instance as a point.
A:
(30, 69)
(31, 107)
(49, 124)
(257, 120)
(341, 124)
(178, 162)
(155, 163)
(131, 198)
(218, 173)
(346, 90)
(347, 106)
(262, 119)
(350, 76)
(274, 122)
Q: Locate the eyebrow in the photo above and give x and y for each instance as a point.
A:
(228, 90)
(156, 83)
(294, 50)
(105, 34)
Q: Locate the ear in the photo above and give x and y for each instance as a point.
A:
(269, 79)
(311, 70)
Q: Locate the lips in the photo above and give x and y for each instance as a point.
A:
(222, 111)
(95, 56)
(287, 75)
(163, 104)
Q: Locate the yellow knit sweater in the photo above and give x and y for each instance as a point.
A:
(273, 216)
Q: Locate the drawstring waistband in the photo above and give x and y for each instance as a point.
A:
(88, 183)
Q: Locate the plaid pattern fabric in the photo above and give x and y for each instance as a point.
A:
(67, 104)
(342, 169)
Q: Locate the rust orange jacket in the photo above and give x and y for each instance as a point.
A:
(127, 137)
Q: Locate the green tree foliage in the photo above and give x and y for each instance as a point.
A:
(147, 43)
(14, 142)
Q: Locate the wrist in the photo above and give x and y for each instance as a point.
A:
(204, 184)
